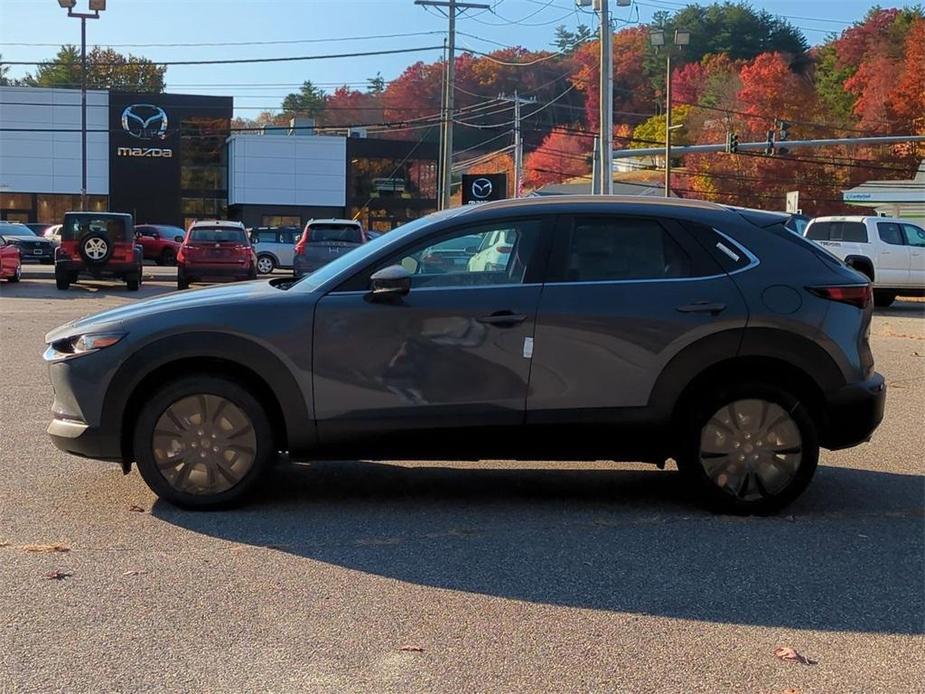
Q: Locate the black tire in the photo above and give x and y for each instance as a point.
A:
(62, 280)
(74, 276)
(722, 499)
(161, 400)
(168, 257)
(133, 282)
(182, 281)
(95, 248)
(882, 298)
(16, 275)
(268, 262)
(252, 275)
(48, 261)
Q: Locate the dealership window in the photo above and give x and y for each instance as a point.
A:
(280, 220)
(15, 201)
(208, 208)
(51, 208)
(379, 177)
(202, 178)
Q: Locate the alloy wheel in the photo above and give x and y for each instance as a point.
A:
(751, 449)
(264, 265)
(204, 444)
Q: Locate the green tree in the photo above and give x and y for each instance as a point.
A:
(375, 85)
(830, 83)
(567, 41)
(4, 69)
(308, 101)
(106, 69)
(653, 129)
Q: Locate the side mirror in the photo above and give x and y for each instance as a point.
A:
(178, 239)
(137, 234)
(390, 282)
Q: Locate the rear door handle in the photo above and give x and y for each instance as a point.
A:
(712, 308)
(503, 319)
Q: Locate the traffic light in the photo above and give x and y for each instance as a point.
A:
(732, 143)
(769, 149)
(783, 134)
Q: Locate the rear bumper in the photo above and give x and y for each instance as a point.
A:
(853, 413)
(105, 269)
(205, 271)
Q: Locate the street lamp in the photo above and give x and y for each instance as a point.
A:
(682, 37)
(96, 6)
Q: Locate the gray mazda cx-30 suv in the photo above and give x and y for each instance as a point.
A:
(603, 328)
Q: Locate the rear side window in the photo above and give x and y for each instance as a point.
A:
(623, 249)
(218, 235)
(266, 237)
(727, 254)
(854, 232)
(890, 233)
(335, 232)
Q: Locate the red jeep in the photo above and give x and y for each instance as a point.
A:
(99, 244)
(159, 242)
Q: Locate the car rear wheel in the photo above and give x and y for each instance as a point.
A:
(749, 448)
(62, 280)
(202, 442)
(133, 282)
(265, 264)
(17, 274)
(182, 281)
(882, 299)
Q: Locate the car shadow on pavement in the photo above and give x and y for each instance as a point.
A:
(847, 556)
(904, 309)
(34, 289)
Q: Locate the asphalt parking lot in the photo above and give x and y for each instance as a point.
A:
(486, 576)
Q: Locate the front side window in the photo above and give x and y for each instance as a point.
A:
(915, 236)
(890, 233)
(623, 249)
(490, 254)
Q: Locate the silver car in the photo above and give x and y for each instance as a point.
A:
(324, 240)
(274, 246)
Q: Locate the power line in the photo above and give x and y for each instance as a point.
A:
(236, 61)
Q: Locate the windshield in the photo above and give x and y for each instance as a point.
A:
(335, 232)
(16, 230)
(218, 235)
(367, 250)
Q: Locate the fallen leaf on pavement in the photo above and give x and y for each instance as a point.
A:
(46, 549)
(136, 508)
(57, 575)
(133, 572)
(789, 655)
(791, 691)
(4, 543)
(412, 649)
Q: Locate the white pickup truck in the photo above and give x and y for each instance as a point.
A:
(891, 252)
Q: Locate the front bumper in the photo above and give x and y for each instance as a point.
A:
(44, 254)
(78, 438)
(853, 413)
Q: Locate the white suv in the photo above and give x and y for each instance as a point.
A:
(891, 252)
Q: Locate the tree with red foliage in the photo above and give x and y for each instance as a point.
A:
(908, 98)
(562, 155)
(351, 107)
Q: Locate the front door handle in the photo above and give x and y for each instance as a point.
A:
(713, 308)
(504, 319)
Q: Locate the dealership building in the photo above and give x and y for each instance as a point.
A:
(172, 158)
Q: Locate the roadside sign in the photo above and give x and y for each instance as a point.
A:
(793, 201)
(483, 187)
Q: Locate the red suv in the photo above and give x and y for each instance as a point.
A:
(215, 250)
(100, 244)
(159, 242)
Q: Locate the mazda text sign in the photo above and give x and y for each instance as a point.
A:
(483, 187)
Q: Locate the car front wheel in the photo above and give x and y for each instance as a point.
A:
(265, 265)
(749, 448)
(202, 442)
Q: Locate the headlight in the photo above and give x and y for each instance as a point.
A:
(78, 345)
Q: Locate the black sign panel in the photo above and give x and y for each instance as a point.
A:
(144, 157)
(483, 187)
(147, 136)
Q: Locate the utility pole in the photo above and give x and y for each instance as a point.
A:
(606, 93)
(452, 7)
(518, 141)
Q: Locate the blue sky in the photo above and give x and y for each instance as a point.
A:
(226, 24)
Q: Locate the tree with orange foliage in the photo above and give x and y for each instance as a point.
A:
(562, 155)
(908, 98)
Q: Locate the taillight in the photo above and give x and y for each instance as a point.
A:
(300, 246)
(504, 249)
(859, 295)
(181, 254)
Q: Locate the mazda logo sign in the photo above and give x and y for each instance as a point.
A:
(481, 188)
(145, 121)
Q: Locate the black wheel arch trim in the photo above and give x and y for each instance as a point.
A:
(863, 260)
(297, 421)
